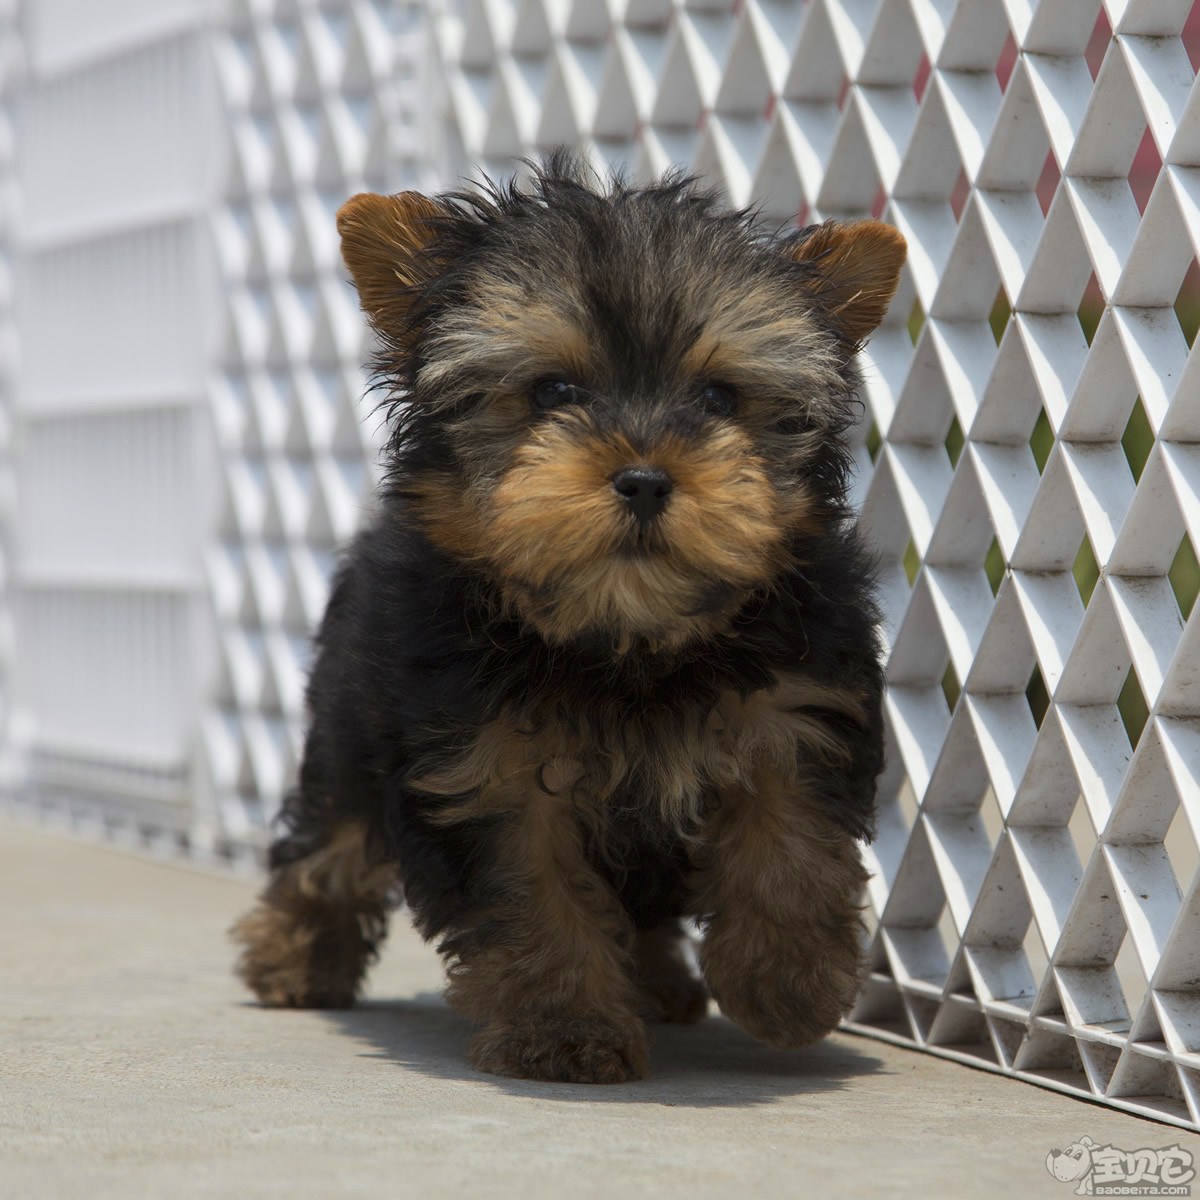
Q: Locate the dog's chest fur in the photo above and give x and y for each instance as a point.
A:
(657, 762)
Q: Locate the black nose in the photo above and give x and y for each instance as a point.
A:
(645, 490)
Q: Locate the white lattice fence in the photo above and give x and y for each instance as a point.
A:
(1027, 467)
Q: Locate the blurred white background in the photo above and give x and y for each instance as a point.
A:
(184, 440)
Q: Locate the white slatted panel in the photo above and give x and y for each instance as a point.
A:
(11, 69)
(118, 153)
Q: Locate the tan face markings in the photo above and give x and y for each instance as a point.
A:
(556, 534)
(504, 338)
(562, 543)
(761, 341)
(531, 502)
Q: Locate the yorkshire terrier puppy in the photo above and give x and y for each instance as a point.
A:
(606, 657)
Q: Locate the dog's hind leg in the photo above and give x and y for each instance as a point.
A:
(320, 920)
(671, 990)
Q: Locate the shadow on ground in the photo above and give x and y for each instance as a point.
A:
(710, 1065)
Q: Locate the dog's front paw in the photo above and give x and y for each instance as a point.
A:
(563, 1049)
(781, 987)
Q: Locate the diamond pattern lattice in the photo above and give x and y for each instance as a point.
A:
(322, 100)
(1027, 466)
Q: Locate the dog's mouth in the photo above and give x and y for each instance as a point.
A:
(635, 593)
(642, 543)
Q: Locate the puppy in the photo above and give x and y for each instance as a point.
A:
(606, 657)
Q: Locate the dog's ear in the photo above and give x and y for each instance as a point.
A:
(382, 240)
(856, 271)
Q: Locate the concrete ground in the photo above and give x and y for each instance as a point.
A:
(132, 1065)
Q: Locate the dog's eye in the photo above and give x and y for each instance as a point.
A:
(719, 399)
(553, 393)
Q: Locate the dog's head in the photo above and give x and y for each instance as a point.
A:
(623, 405)
(1073, 1163)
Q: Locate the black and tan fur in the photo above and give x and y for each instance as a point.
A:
(561, 730)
